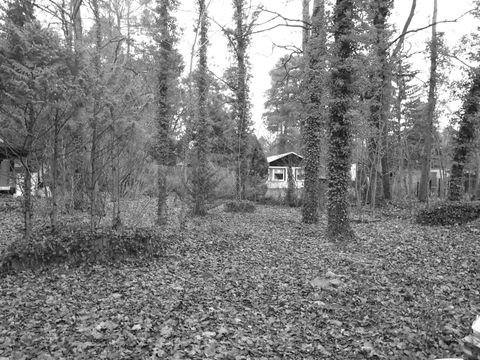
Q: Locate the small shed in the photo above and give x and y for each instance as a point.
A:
(8, 156)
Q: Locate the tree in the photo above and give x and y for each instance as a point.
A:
(284, 107)
(31, 70)
(432, 98)
(464, 138)
(340, 123)
(239, 39)
(165, 40)
(380, 103)
(315, 120)
(201, 176)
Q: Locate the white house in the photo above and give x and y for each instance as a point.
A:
(277, 182)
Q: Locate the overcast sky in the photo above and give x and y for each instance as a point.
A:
(264, 53)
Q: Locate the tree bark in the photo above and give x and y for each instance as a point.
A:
(429, 128)
(340, 127)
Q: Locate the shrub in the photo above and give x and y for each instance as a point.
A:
(449, 213)
(243, 206)
(77, 245)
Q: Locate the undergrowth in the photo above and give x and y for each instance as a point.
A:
(242, 206)
(449, 213)
(77, 245)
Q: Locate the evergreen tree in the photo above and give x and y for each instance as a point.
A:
(31, 70)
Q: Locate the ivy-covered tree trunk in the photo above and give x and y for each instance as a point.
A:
(465, 136)
(241, 110)
(201, 174)
(315, 121)
(95, 119)
(428, 128)
(380, 104)
(340, 132)
(165, 42)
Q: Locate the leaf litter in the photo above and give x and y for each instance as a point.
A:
(257, 286)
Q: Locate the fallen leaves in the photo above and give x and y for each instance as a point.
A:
(257, 286)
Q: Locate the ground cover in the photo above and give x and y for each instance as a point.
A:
(257, 286)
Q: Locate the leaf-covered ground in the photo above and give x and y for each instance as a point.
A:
(257, 286)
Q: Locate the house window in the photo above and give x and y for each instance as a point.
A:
(299, 174)
(278, 174)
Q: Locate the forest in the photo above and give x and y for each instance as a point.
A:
(148, 210)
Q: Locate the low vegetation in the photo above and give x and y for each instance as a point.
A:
(242, 206)
(449, 213)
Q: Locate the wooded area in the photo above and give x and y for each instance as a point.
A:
(118, 146)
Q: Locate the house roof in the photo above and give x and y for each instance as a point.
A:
(279, 156)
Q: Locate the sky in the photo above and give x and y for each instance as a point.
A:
(266, 47)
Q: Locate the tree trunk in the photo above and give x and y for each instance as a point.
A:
(78, 186)
(94, 206)
(291, 200)
(53, 186)
(201, 177)
(116, 218)
(380, 102)
(241, 97)
(163, 114)
(27, 183)
(428, 132)
(315, 120)
(340, 127)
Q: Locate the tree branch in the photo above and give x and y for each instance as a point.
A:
(405, 29)
(428, 26)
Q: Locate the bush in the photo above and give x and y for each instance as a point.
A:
(77, 245)
(449, 213)
(243, 206)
